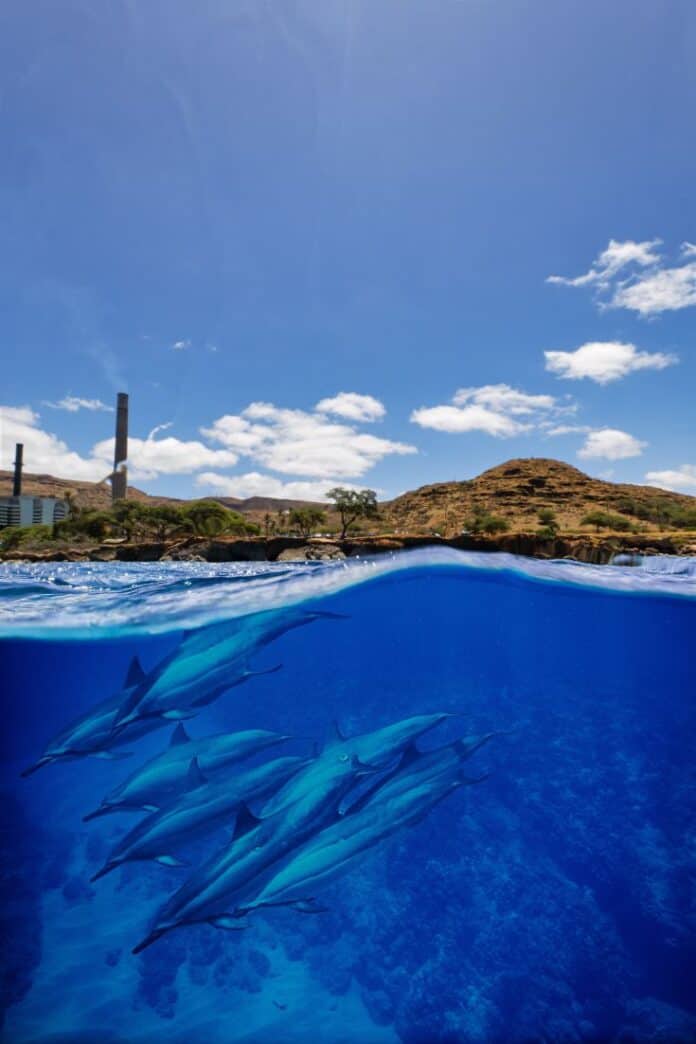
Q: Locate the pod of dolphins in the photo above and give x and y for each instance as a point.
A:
(299, 822)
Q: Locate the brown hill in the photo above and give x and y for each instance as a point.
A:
(518, 489)
(515, 491)
(97, 495)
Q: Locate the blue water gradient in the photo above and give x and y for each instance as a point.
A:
(554, 901)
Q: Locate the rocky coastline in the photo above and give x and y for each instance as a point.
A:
(597, 550)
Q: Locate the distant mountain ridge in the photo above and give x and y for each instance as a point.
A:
(515, 490)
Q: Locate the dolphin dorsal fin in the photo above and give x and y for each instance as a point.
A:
(135, 673)
(410, 755)
(246, 821)
(335, 735)
(179, 736)
(195, 777)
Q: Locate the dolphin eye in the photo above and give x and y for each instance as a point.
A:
(343, 757)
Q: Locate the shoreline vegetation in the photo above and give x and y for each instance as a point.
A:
(534, 507)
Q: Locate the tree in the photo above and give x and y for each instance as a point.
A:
(306, 520)
(548, 529)
(495, 524)
(269, 525)
(209, 518)
(164, 520)
(484, 522)
(605, 520)
(352, 504)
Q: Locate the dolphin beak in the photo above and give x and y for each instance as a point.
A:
(101, 811)
(46, 760)
(148, 941)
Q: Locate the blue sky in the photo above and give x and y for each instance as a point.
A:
(348, 212)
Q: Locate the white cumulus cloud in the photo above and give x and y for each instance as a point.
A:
(612, 260)
(682, 479)
(73, 403)
(496, 409)
(256, 484)
(353, 407)
(635, 276)
(605, 361)
(611, 444)
(297, 442)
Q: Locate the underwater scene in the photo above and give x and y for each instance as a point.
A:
(435, 796)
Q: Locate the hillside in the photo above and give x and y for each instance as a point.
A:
(515, 491)
(97, 495)
(518, 489)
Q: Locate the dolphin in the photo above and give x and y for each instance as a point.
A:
(165, 776)
(341, 844)
(207, 663)
(91, 735)
(402, 798)
(255, 847)
(200, 811)
(375, 749)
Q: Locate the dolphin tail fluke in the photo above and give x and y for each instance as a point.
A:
(148, 941)
(37, 765)
(126, 712)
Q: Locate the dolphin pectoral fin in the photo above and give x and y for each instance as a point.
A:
(111, 755)
(150, 808)
(324, 614)
(227, 923)
(178, 715)
(135, 673)
(266, 670)
(170, 860)
(308, 906)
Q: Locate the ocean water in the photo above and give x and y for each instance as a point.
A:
(553, 900)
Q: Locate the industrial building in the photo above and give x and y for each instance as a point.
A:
(22, 510)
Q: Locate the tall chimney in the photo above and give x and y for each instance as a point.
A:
(19, 457)
(119, 480)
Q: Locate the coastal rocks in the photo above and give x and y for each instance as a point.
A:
(311, 553)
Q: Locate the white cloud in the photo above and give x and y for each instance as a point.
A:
(254, 484)
(353, 407)
(565, 429)
(668, 290)
(605, 361)
(495, 409)
(611, 444)
(73, 403)
(681, 478)
(616, 257)
(181, 346)
(634, 276)
(296, 442)
(45, 453)
(150, 457)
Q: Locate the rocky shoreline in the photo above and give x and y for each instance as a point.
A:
(598, 550)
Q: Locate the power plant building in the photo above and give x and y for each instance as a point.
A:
(22, 510)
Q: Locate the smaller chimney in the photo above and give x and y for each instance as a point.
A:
(19, 457)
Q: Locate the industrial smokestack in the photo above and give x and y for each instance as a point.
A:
(119, 479)
(18, 462)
